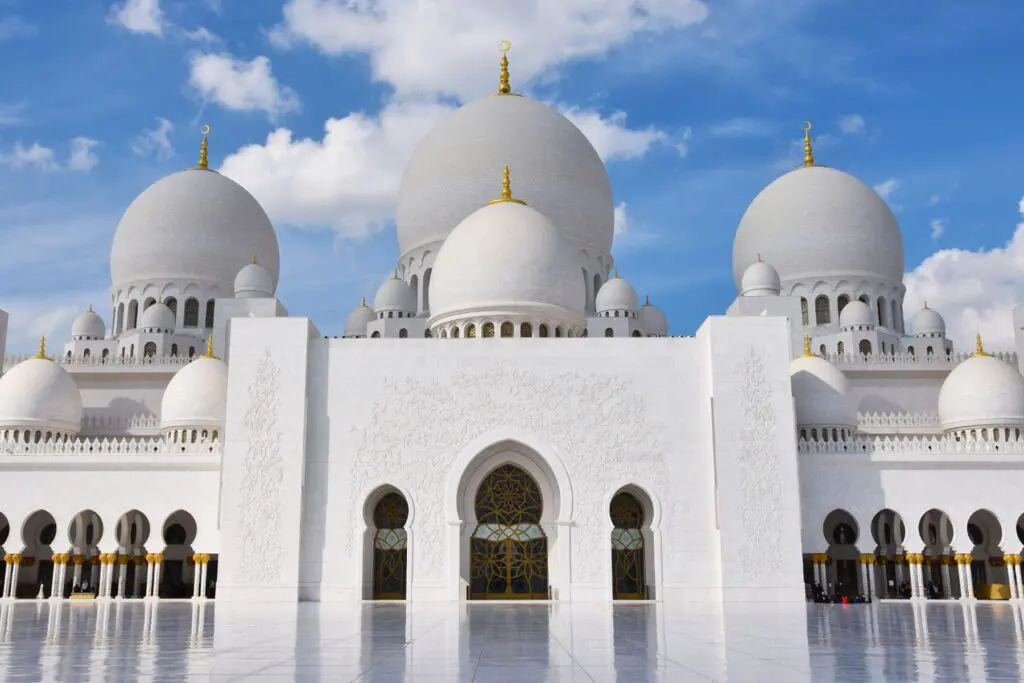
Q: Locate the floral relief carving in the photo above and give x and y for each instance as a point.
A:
(596, 422)
(260, 488)
(761, 479)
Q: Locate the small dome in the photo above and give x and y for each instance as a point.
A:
(982, 391)
(395, 295)
(856, 314)
(654, 322)
(197, 396)
(38, 394)
(760, 279)
(355, 323)
(254, 281)
(616, 295)
(192, 226)
(821, 394)
(157, 318)
(817, 222)
(88, 325)
(928, 322)
(506, 258)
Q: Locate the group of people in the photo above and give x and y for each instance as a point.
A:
(828, 594)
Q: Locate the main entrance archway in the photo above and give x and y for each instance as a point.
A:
(508, 549)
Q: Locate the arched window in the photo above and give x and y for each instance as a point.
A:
(390, 543)
(866, 299)
(105, 354)
(841, 349)
(119, 318)
(172, 303)
(896, 317)
(426, 334)
(930, 351)
(471, 331)
(175, 534)
(883, 313)
(191, 312)
(508, 329)
(133, 314)
(558, 331)
(86, 353)
(403, 333)
(636, 333)
(174, 349)
(803, 311)
(910, 350)
(488, 330)
(843, 534)
(191, 352)
(865, 347)
(823, 351)
(426, 290)
(609, 332)
(148, 302)
(526, 330)
(455, 332)
(629, 580)
(843, 300)
(149, 350)
(375, 335)
(543, 329)
(210, 311)
(822, 313)
(414, 284)
(508, 551)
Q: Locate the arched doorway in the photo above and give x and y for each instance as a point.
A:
(131, 531)
(936, 531)
(841, 534)
(629, 570)
(38, 535)
(508, 552)
(390, 547)
(177, 573)
(988, 570)
(888, 532)
(84, 533)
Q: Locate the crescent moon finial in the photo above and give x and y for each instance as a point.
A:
(206, 129)
(505, 46)
(807, 126)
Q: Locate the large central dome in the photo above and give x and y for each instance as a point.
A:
(556, 171)
(193, 226)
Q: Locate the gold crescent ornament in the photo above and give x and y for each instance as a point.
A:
(807, 126)
(206, 129)
(505, 46)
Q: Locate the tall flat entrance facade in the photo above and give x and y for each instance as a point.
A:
(508, 550)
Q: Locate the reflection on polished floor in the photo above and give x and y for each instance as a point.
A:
(628, 643)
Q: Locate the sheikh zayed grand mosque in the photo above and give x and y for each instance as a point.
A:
(509, 419)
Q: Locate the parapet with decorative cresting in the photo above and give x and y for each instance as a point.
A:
(935, 360)
(882, 420)
(125, 447)
(887, 445)
(113, 361)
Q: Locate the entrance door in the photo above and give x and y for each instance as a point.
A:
(629, 577)
(508, 551)
(390, 547)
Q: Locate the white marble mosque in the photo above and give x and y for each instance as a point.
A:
(509, 419)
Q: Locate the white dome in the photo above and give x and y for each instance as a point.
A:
(506, 258)
(760, 279)
(616, 295)
(556, 171)
(821, 394)
(357, 320)
(654, 322)
(88, 325)
(192, 226)
(197, 396)
(856, 314)
(38, 394)
(928, 322)
(395, 295)
(254, 281)
(819, 222)
(982, 391)
(157, 317)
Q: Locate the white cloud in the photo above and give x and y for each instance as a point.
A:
(621, 220)
(937, 227)
(11, 114)
(740, 127)
(934, 199)
(201, 34)
(139, 16)
(241, 86)
(35, 156)
(16, 27)
(852, 124)
(438, 47)
(83, 156)
(156, 141)
(349, 179)
(975, 291)
(887, 187)
(612, 138)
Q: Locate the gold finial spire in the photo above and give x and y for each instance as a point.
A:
(926, 303)
(209, 348)
(980, 351)
(808, 151)
(363, 304)
(506, 189)
(759, 259)
(90, 308)
(42, 349)
(647, 300)
(615, 276)
(204, 163)
(254, 259)
(504, 88)
(807, 345)
(394, 274)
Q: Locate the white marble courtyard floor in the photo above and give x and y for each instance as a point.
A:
(180, 641)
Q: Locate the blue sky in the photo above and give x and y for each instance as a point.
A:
(922, 100)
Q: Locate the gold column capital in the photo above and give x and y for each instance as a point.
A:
(78, 560)
(123, 560)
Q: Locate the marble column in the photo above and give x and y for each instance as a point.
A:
(122, 575)
(1010, 561)
(883, 584)
(865, 584)
(913, 564)
(140, 576)
(206, 565)
(870, 591)
(76, 576)
(8, 562)
(947, 581)
(1017, 577)
(94, 574)
(15, 569)
(55, 582)
(158, 561)
(196, 578)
